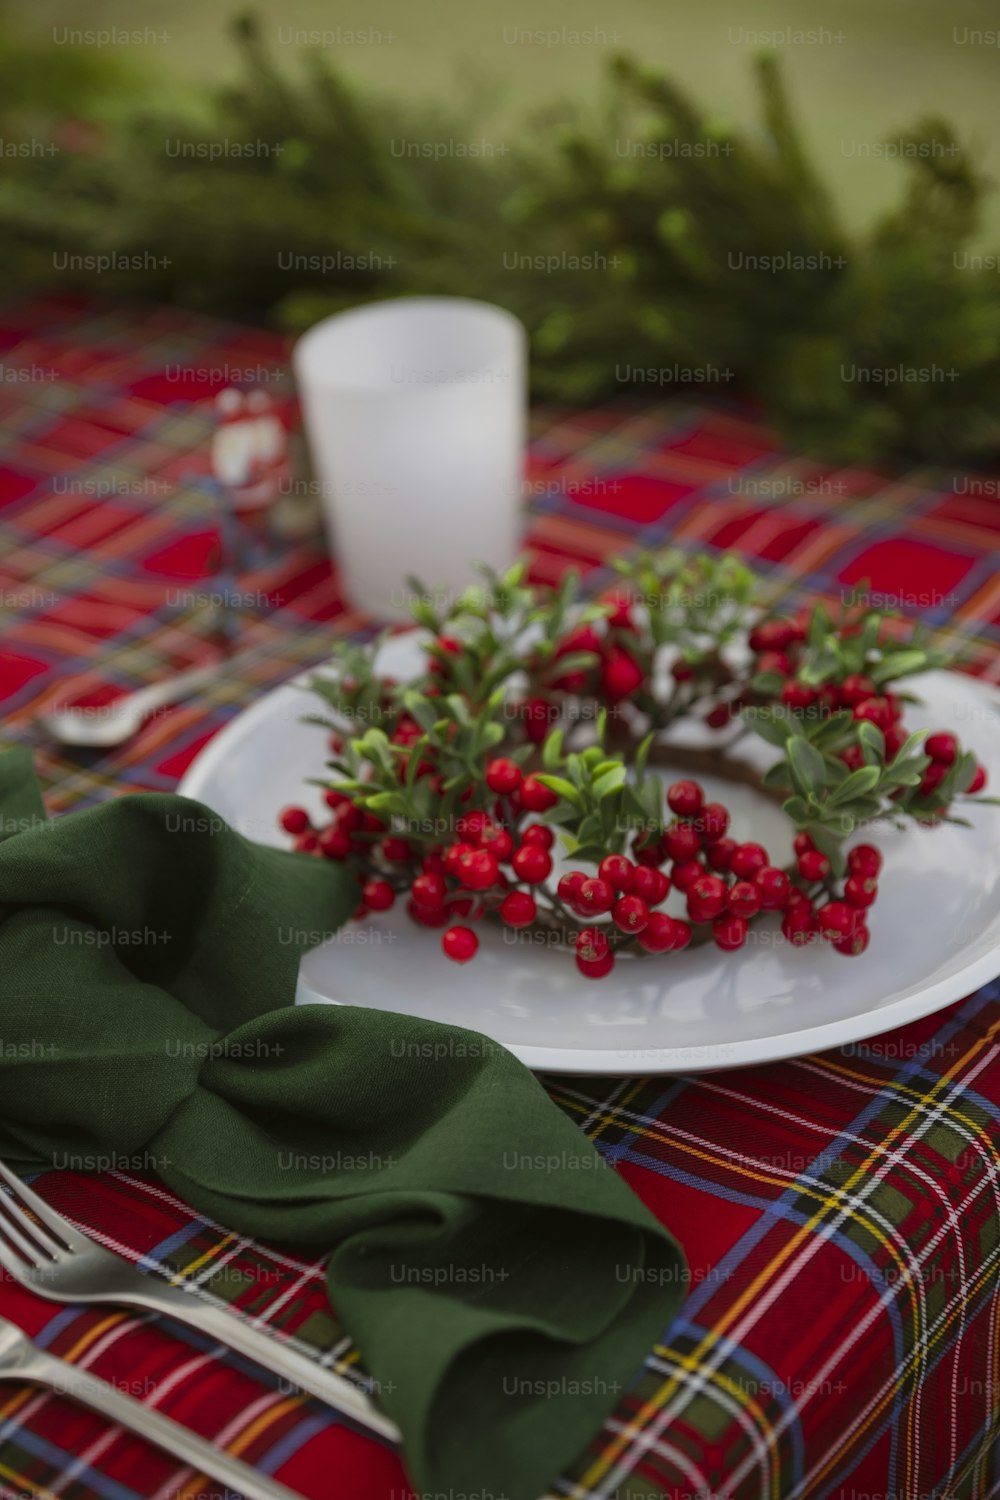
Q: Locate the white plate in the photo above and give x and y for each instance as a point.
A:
(935, 928)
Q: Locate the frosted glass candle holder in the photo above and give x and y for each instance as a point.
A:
(415, 414)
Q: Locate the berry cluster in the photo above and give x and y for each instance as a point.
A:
(537, 718)
(496, 863)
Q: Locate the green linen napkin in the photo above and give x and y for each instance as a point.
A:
(502, 1283)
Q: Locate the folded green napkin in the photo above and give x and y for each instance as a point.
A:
(148, 967)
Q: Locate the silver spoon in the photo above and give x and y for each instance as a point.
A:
(113, 723)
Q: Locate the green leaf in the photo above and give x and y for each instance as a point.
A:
(872, 742)
(767, 683)
(562, 788)
(898, 664)
(806, 765)
(772, 726)
(424, 710)
(797, 809)
(611, 781)
(827, 843)
(552, 749)
(858, 784)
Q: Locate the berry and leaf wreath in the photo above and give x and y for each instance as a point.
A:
(541, 715)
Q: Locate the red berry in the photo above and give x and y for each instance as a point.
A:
(932, 778)
(979, 780)
(621, 613)
(594, 958)
(681, 841)
(592, 943)
(568, 889)
(294, 819)
(535, 797)
(798, 925)
(942, 748)
(686, 873)
(682, 671)
(378, 895)
(747, 860)
(864, 859)
(334, 798)
(774, 886)
(460, 944)
(531, 863)
(538, 715)
(720, 852)
(874, 711)
(621, 674)
(649, 854)
(335, 841)
(498, 841)
(453, 856)
(743, 898)
(595, 896)
(470, 825)
(428, 890)
(685, 798)
(802, 843)
(308, 843)
(855, 943)
(860, 890)
(427, 916)
(813, 866)
(853, 757)
(349, 817)
(773, 635)
(478, 869)
(855, 689)
(396, 850)
(652, 885)
(836, 920)
(706, 897)
(719, 716)
(503, 775)
(537, 833)
(680, 935)
(730, 932)
(518, 909)
(618, 871)
(657, 935)
(774, 661)
(585, 638)
(712, 821)
(630, 913)
(797, 695)
(595, 968)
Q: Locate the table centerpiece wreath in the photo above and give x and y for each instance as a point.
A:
(542, 715)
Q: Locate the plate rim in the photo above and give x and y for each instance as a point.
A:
(703, 1058)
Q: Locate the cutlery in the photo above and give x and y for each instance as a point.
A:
(22, 1360)
(113, 723)
(43, 1251)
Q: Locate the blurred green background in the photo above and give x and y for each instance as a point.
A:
(877, 65)
(796, 202)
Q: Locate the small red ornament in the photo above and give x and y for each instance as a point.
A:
(518, 909)
(460, 944)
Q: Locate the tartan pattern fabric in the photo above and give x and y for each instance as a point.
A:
(840, 1213)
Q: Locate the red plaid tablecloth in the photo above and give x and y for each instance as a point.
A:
(840, 1213)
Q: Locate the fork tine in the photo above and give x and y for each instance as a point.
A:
(13, 1234)
(12, 1263)
(64, 1235)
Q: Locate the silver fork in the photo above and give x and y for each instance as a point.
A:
(42, 1250)
(22, 1360)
